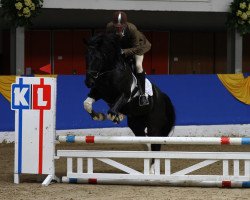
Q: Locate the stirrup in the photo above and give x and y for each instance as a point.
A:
(143, 100)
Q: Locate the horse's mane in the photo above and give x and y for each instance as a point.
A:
(108, 44)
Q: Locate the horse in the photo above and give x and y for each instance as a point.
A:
(110, 77)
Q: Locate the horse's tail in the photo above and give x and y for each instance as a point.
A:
(170, 114)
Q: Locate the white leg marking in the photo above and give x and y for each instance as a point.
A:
(152, 169)
(88, 104)
(121, 116)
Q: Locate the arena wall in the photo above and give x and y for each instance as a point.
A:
(203, 107)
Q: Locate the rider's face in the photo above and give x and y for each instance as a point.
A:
(120, 31)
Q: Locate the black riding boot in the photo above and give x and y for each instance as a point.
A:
(143, 100)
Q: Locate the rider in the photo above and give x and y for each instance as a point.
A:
(133, 43)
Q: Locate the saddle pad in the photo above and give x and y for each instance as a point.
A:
(148, 87)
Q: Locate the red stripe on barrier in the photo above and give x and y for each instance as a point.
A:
(40, 157)
(92, 181)
(226, 184)
(90, 139)
(225, 140)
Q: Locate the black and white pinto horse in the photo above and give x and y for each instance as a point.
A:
(109, 77)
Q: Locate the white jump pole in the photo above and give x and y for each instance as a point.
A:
(187, 183)
(154, 140)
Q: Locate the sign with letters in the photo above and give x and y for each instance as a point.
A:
(34, 102)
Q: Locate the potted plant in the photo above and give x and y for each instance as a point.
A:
(21, 12)
(239, 16)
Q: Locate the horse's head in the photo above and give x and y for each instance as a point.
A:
(100, 57)
(94, 61)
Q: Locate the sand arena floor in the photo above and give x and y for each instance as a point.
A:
(31, 189)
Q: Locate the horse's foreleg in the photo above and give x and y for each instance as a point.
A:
(88, 107)
(115, 117)
(113, 113)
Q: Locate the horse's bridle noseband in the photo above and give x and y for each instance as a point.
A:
(95, 74)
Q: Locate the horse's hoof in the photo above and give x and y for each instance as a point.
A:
(110, 117)
(99, 117)
(117, 120)
(121, 117)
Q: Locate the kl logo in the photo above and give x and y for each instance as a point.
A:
(23, 93)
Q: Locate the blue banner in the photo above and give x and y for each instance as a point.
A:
(198, 100)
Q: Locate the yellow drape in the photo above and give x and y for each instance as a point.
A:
(5, 86)
(6, 81)
(46, 75)
(237, 85)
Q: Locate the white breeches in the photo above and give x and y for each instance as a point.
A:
(138, 63)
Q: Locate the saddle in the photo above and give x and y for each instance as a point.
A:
(130, 62)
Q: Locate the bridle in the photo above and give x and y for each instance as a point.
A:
(96, 74)
(93, 73)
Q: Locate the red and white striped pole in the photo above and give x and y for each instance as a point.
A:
(186, 183)
(154, 140)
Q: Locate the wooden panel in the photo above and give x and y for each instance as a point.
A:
(160, 52)
(69, 51)
(37, 50)
(246, 54)
(203, 62)
(220, 42)
(63, 52)
(79, 50)
(181, 53)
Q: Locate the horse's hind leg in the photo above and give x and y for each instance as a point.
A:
(154, 132)
(155, 147)
(137, 125)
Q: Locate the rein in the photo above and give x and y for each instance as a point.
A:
(98, 74)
